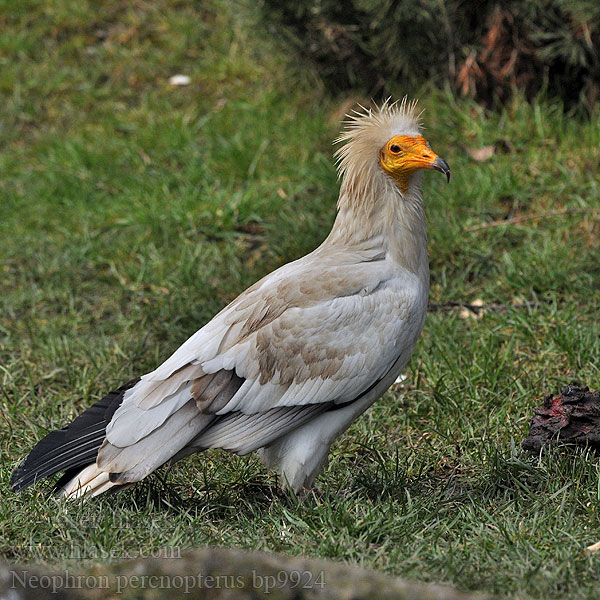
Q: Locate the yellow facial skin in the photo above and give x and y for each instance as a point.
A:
(404, 154)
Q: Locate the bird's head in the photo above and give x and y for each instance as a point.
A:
(403, 155)
(385, 143)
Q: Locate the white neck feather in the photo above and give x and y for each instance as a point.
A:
(374, 213)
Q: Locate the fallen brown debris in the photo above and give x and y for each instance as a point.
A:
(570, 418)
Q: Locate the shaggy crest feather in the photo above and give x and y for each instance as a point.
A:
(400, 114)
(371, 128)
(365, 132)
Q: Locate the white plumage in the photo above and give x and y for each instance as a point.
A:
(290, 363)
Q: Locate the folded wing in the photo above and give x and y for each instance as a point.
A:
(263, 367)
(293, 346)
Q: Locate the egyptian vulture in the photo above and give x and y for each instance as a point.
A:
(292, 361)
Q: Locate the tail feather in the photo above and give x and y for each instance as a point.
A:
(71, 447)
(90, 481)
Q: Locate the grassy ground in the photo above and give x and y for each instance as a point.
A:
(131, 211)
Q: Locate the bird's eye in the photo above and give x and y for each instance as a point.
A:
(395, 149)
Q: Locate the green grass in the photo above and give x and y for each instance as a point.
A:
(132, 211)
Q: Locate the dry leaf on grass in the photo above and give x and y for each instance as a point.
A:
(594, 547)
(481, 154)
(469, 313)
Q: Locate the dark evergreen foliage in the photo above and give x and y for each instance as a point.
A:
(483, 48)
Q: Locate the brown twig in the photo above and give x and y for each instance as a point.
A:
(542, 215)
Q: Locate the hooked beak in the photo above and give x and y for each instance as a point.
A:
(439, 164)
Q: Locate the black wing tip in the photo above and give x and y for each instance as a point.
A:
(17, 480)
(22, 478)
(40, 463)
(28, 473)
